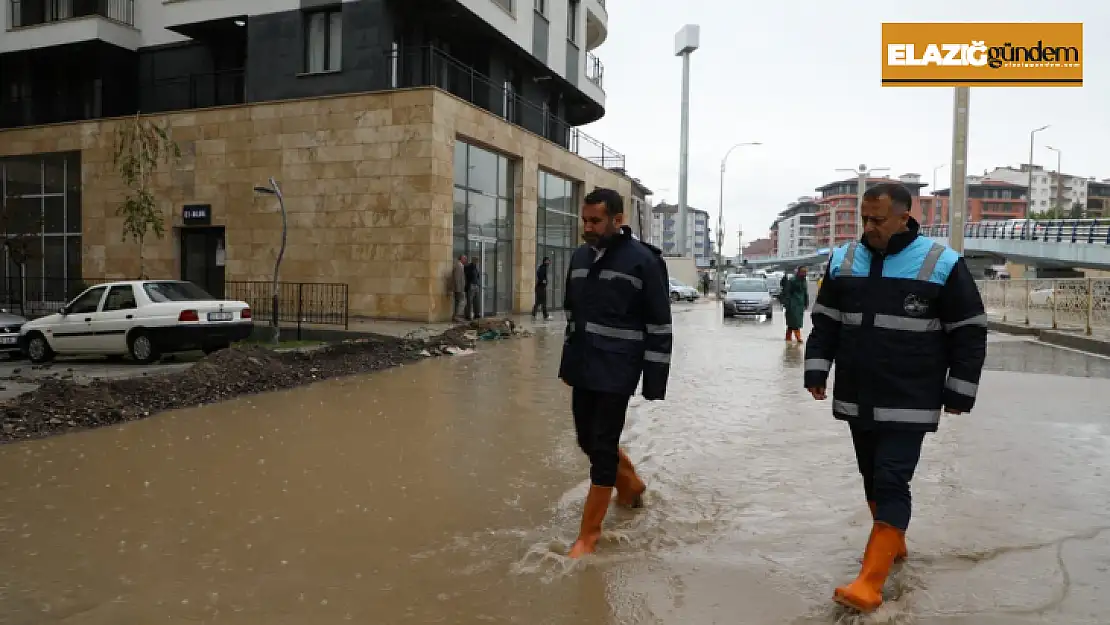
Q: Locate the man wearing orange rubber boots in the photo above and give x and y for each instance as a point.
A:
(902, 320)
(618, 312)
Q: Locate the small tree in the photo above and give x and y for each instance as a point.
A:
(141, 146)
(20, 237)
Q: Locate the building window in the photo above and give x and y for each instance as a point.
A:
(323, 38)
(40, 214)
(483, 221)
(541, 7)
(556, 230)
(505, 4)
(572, 20)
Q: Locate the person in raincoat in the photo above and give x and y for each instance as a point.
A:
(795, 301)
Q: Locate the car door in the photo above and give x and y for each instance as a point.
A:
(73, 333)
(116, 317)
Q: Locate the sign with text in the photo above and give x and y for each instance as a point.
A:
(196, 215)
(982, 55)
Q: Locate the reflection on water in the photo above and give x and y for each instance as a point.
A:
(445, 492)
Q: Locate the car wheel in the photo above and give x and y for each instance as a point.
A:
(674, 297)
(38, 349)
(142, 348)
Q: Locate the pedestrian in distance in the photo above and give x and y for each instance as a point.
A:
(541, 289)
(618, 313)
(901, 319)
(795, 301)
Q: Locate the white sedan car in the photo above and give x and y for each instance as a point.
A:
(140, 318)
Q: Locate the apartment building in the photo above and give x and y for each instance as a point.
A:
(1050, 191)
(794, 232)
(992, 200)
(839, 198)
(404, 133)
(664, 232)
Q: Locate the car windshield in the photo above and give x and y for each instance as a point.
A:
(747, 286)
(159, 292)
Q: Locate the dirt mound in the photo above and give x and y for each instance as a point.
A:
(61, 404)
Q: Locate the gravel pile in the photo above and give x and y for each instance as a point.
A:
(60, 404)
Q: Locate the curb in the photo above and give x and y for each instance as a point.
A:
(1054, 337)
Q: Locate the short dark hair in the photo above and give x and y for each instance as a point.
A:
(900, 197)
(614, 203)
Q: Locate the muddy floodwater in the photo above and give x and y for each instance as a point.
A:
(446, 492)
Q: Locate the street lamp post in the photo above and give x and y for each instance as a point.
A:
(685, 42)
(275, 190)
(721, 210)
(863, 174)
(1059, 182)
(1029, 191)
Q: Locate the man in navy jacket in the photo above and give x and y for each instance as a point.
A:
(618, 328)
(901, 319)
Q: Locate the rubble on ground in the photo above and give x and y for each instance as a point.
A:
(62, 404)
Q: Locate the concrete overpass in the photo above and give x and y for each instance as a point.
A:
(1060, 243)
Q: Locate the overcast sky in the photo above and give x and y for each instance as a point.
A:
(802, 76)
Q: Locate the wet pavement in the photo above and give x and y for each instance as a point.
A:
(446, 492)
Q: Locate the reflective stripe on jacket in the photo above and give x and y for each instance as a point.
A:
(905, 330)
(618, 319)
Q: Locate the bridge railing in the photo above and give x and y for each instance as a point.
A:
(1061, 303)
(1088, 231)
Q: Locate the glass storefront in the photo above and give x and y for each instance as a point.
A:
(40, 216)
(483, 221)
(556, 231)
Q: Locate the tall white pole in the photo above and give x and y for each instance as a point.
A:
(685, 42)
(958, 207)
(1029, 191)
(720, 228)
(861, 188)
(684, 155)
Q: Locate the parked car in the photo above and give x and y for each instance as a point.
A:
(748, 296)
(140, 318)
(10, 324)
(680, 291)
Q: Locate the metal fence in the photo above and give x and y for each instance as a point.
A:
(1052, 231)
(1063, 303)
(298, 302)
(428, 66)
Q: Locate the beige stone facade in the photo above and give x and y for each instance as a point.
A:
(367, 179)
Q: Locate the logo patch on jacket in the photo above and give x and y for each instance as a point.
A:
(915, 306)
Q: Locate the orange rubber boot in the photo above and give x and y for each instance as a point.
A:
(866, 593)
(903, 553)
(597, 504)
(630, 488)
(798, 335)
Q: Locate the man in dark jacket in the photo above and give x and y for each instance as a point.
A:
(618, 328)
(902, 319)
(541, 289)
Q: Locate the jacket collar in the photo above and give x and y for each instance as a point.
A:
(898, 242)
(623, 235)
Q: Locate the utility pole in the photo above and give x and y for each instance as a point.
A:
(1059, 182)
(958, 208)
(685, 42)
(740, 237)
(1029, 191)
(721, 210)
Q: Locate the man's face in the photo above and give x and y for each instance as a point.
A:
(547, 261)
(802, 273)
(462, 259)
(881, 221)
(596, 223)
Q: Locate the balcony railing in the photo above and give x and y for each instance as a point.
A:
(34, 12)
(595, 70)
(193, 91)
(428, 66)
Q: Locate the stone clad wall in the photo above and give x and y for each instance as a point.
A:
(367, 181)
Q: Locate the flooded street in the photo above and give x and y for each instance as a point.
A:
(445, 492)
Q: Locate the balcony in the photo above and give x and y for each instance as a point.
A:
(193, 91)
(597, 23)
(25, 13)
(595, 70)
(428, 66)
